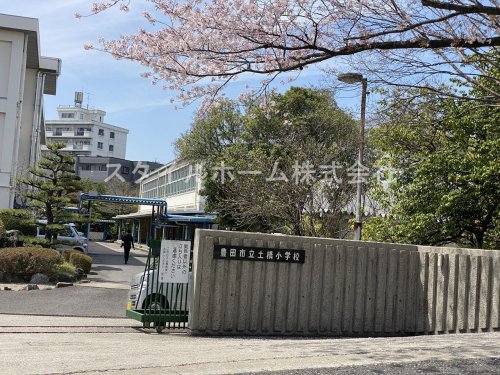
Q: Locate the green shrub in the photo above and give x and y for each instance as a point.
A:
(81, 261)
(18, 219)
(35, 242)
(26, 261)
(64, 268)
(2, 228)
(66, 254)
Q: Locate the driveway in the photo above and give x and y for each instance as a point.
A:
(104, 296)
(108, 266)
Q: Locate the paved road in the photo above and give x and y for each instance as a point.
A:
(461, 366)
(61, 345)
(57, 345)
(108, 264)
(105, 296)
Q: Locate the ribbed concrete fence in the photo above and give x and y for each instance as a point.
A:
(343, 288)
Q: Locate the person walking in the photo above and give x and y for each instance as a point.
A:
(127, 243)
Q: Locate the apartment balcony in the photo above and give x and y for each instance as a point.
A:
(70, 134)
(77, 148)
(81, 147)
(84, 134)
(72, 148)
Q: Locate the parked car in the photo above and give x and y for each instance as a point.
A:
(144, 293)
(70, 234)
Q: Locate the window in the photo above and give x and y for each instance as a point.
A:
(101, 132)
(178, 181)
(103, 167)
(111, 134)
(125, 170)
(68, 115)
(81, 116)
(58, 132)
(111, 148)
(85, 167)
(99, 145)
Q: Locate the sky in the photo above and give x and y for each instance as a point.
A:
(116, 87)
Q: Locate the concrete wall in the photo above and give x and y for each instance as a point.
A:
(21, 111)
(12, 68)
(344, 288)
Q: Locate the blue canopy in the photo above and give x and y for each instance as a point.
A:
(122, 200)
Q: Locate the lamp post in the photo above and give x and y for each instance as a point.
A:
(353, 78)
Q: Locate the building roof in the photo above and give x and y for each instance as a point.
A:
(50, 65)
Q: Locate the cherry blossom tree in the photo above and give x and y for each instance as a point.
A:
(198, 46)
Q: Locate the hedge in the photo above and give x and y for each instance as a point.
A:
(26, 261)
(66, 254)
(81, 261)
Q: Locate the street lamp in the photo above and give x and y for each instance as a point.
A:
(353, 78)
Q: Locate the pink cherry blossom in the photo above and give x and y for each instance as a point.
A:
(198, 46)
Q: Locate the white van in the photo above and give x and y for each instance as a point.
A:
(70, 234)
(143, 293)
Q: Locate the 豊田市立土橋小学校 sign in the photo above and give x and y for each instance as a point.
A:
(258, 254)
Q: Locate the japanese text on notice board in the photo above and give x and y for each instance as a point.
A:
(174, 261)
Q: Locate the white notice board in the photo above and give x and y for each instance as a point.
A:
(174, 261)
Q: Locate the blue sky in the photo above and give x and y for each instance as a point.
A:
(115, 86)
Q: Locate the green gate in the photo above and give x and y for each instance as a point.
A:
(159, 304)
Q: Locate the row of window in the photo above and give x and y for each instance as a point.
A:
(102, 168)
(178, 187)
(78, 132)
(70, 115)
(179, 181)
(100, 146)
(178, 174)
(101, 133)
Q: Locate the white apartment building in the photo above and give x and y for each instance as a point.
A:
(85, 132)
(25, 76)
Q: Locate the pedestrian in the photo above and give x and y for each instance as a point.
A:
(127, 243)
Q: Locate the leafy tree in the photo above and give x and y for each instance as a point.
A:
(19, 219)
(115, 187)
(445, 154)
(187, 41)
(279, 152)
(52, 185)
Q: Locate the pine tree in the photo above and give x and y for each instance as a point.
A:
(51, 185)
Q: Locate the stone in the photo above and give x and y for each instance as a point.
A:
(39, 278)
(62, 284)
(6, 288)
(66, 278)
(31, 287)
(79, 274)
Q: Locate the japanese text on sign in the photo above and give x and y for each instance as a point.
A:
(174, 261)
(258, 254)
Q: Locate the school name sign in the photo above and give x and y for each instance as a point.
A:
(259, 254)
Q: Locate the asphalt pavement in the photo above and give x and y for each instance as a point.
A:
(103, 295)
(68, 345)
(81, 330)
